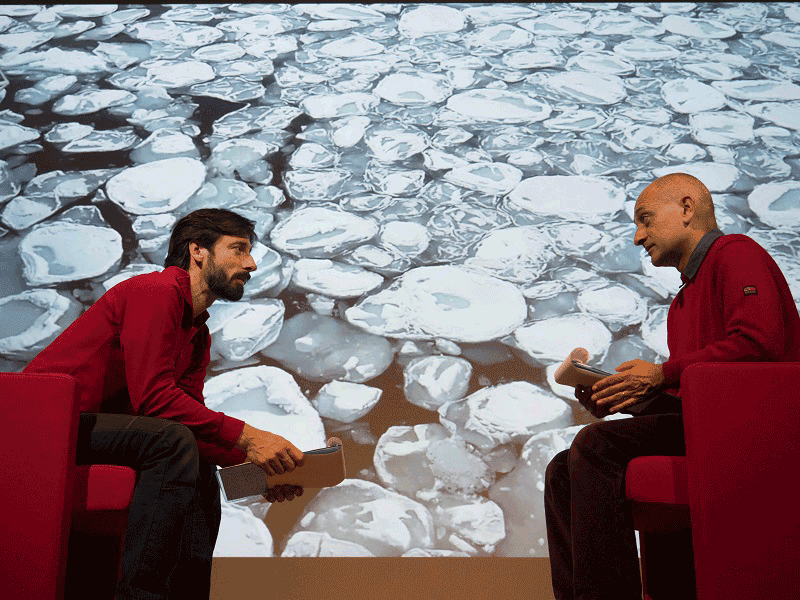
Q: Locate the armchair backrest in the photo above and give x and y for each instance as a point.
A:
(38, 433)
(742, 425)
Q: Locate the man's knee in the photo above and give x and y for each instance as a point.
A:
(177, 447)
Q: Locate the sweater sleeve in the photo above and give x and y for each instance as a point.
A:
(149, 335)
(748, 296)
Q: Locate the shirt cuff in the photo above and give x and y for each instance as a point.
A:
(671, 370)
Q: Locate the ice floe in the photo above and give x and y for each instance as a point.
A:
(550, 340)
(503, 414)
(571, 197)
(322, 348)
(518, 254)
(423, 460)
(242, 534)
(31, 320)
(446, 301)
(56, 252)
(361, 512)
(345, 401)
(316, 543)
(156, 187)
(317, 232)
(498, 105)
(336, 280)
(431, 381)
(777, 204)
(240, 329)
(431, 20)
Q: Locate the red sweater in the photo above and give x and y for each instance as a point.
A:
(138, 351)
(737, 307)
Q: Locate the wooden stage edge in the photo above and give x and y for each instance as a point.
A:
(381, 578)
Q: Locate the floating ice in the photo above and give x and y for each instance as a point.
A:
(785, 114)
(615, 23)
(20, 42)
(431, 381)
(501, 36)
(601, 61)
(317, 232)
(54, 60)
(423, 460)
(178, 74)
(103, 141)
(645, 50)
(391, 181)
(518, 254)
(363, 513)
(615, 305)
(503, 414)
(352, 46)
(470, 524)
(243, 157)
(313, 156)
(490, 178)
(345, 401)
(162, 144)
(231, 89)
(431, 20)
(392, 141)
(691, 96)
(551, 340)
(777, 203)
(699, 28)
(444, 301)
(91, 100)
(590, 88)
(269, 399)
(665, 280)
(492, 13)
(762, 90)
(713, 71)
(554, 24)
(722, 128)
(718, 177)
(156, 187)
(31, 320)
(520, 495)
(654, 330)
(86, 11)
(57, 252)
(570, 197)
(315, 543)
(12, 135)
(356, 12)
(242, 534)
(224, 51)
(406, 239)
(335, 280)
(329, 106)
(240, 329)
(321, 348)
(532, 58)
(415, 89)
(498, 105)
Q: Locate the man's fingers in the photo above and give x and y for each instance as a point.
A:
(296, 455)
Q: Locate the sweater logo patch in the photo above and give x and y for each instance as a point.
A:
(750, 290)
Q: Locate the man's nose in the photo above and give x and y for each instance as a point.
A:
(638, 237)
(249, 264)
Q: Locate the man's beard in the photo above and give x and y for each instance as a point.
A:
(222, 287)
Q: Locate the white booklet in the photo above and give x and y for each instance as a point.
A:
(574, 371)
(323, 467)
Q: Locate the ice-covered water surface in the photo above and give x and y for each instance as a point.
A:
(443, 198)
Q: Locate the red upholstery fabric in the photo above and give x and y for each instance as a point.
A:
(660, 479)
(44, 494)
(37, 446)
(742, 423)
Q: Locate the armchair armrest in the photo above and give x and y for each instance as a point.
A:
(742, 425)
(39, 417)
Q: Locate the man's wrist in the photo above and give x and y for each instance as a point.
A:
(245, 439)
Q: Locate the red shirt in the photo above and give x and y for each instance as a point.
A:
(139, 351)
(736, 307)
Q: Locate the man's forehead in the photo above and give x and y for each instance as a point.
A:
(232, 240)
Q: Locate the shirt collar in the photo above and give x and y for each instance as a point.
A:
(699, 253)
(185, 285)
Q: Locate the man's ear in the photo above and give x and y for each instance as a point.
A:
(197, 254)
(688, 206)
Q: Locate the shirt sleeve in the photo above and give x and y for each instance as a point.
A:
(149, 337)
(748, 294)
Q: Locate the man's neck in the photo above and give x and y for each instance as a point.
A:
(202, 297)
(692, 242)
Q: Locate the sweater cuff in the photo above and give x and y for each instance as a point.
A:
(671, 370)
(230, 431)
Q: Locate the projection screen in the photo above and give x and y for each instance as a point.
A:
(443, 196)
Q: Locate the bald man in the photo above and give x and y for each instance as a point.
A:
(734, 305)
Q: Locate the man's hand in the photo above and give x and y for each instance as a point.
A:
(279, 493)
(273, 453)
(633, 380)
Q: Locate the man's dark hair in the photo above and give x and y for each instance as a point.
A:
(205, 226)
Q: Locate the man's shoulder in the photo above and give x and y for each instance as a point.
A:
(736, 243)
(166, 281)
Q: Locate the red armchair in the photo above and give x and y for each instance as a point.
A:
(49, 504)
(732, 499)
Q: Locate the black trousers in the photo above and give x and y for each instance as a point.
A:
(175, 513)
(589, 525)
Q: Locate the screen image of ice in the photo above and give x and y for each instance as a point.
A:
(443, 196)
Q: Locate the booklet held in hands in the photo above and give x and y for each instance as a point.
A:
(323, 467)
(574, 371)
